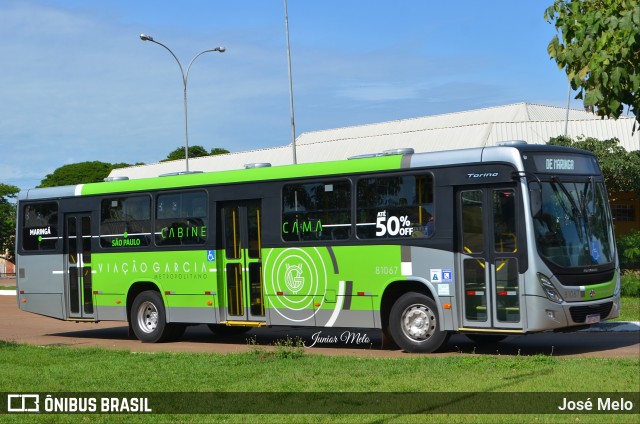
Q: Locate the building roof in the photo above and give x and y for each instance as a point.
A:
(533, 123)
(517, 112)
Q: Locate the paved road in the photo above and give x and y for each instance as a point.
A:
(23, 327)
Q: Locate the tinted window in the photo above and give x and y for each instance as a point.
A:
(125, 221)
(40, 226)
(181, 218)
(573, 228)
(390, 207)
(504, 221)
(472, 221)
(316, 211)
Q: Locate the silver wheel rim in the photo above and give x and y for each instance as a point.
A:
(147, 317)
(418, 322)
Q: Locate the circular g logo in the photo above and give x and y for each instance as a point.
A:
(293, 278)
(299, 274)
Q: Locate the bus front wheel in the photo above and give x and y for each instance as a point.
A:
(148, 317)
(414, 324)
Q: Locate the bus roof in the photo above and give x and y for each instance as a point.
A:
(315, 169)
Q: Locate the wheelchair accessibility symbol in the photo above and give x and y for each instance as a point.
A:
(211, 255)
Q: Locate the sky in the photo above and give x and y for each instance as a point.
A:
(77, 83)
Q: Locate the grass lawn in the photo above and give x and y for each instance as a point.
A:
(288, 369)
(630, 309)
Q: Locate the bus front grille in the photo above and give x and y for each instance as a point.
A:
(579, 313)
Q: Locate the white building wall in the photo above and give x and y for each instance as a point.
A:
(535, 124)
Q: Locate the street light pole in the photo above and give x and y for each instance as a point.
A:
(185, 77)
(293, 121)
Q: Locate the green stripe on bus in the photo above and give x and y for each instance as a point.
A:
(247, 175)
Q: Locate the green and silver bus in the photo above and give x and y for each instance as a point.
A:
(489, 242)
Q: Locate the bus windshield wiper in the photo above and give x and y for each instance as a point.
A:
(576, 210)
(592, 183)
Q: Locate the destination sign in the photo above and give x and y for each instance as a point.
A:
(559, 163)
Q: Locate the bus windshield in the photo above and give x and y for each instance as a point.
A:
(572, 224)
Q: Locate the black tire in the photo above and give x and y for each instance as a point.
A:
(148, 318)
(486, 338)
(225, 330)
(414, 324)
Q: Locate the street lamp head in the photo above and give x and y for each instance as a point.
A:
(219, 49)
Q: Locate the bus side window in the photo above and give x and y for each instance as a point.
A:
(316, 211)
(125, 221)
(395, 207)
(40, 226)
(181, 218)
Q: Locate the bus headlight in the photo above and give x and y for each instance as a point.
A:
(549, 290)
(616, 291)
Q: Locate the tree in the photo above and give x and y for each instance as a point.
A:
(194, 152)
(218, 151)
(598, 45)
(8, 221)
(621, 169)
(80, 173)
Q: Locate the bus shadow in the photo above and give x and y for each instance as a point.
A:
(112, 333)
(549, 344)
(259, 337)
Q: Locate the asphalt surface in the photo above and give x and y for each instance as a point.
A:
(616, 340)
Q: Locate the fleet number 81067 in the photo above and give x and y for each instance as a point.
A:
(387, 270)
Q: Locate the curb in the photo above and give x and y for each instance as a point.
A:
(7, 292)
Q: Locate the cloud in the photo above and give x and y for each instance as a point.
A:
(79, 85)
(82, 86)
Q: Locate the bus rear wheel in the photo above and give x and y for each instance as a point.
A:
(414, 324)
(148, 318)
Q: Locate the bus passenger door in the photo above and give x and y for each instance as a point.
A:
(78, 276)
(488, 258)
(242, 262)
